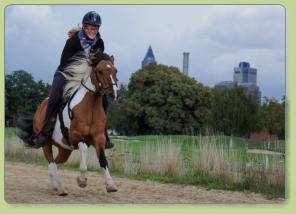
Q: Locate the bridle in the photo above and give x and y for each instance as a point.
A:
(103, 89)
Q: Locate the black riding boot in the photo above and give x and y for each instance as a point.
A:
(45, 133)
(105, 104)
(48, 124)
(54, 101)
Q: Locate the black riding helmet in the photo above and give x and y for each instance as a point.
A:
(92, 18)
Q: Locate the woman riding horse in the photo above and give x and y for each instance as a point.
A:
(89, 41)
(83, 117)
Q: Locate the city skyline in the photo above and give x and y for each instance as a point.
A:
(245, 76)
(216, 36)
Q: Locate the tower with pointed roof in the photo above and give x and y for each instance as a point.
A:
(149, 57)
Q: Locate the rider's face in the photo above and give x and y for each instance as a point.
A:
(91, 30)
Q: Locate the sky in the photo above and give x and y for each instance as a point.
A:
(217, 37)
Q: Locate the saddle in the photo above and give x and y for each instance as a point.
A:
(64, 129)
(53, 118)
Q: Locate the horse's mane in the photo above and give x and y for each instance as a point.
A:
(78, 69)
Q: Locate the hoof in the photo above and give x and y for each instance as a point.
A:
(111, 188)
(63, 193)
(81, 183)
(54, 185)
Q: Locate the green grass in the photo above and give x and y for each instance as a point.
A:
(238, 153)
(10, 131)
(202, 179)
(277, 146)
(135, 143)
(216, 162)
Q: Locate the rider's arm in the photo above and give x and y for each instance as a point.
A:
(72, 46)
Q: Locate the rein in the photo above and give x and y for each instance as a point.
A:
(102, 89)
(96, 93)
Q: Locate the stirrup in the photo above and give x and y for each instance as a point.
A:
(40, 141)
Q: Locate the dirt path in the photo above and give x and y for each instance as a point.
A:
(30, 184)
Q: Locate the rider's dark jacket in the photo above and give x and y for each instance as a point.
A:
(73, 46)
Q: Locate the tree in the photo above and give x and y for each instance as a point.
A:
(160, 99)
(234, 111)
(22, 95)
(117, 119)
(271, 117)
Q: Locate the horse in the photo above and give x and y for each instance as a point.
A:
(83, 116)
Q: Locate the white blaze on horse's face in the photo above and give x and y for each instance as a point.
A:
(115, 88)
(114, 84)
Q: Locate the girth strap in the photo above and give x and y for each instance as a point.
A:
(70, 112)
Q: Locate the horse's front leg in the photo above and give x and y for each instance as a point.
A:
(100, 150)
(82, 179)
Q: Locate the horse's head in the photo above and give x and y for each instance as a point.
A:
(103, 75)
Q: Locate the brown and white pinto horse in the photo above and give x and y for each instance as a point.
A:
(87, 127)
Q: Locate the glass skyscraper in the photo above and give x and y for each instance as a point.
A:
(246, 77)
(245, 74)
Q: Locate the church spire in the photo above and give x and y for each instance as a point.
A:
(149, 57)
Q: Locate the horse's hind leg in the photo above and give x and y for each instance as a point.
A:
(47, 151)
(82, 180)
(53, 170)
(100, 149)
(63, 156)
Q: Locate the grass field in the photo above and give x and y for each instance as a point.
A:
(218, 162)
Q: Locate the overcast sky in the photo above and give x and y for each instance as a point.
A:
(217, 37)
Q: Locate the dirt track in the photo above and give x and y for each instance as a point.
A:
(30, 184)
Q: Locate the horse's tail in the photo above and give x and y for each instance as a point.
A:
(26, 132)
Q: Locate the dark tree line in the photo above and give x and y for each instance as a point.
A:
(22, 95)
(160, 99)
(233, 112)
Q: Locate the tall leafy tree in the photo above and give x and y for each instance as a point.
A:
(271, 117)
(234, 112)
(22, 95)
(160, 99)
(117, 119)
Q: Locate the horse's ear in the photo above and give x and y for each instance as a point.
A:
(112, 59)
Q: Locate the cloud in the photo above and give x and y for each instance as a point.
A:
(32, 38)
(252, 27)
(218, 37)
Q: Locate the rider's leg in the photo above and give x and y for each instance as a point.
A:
(54, 101)
(105, 104)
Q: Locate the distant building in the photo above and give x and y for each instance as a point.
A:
(253, 90)
(185, 63)
(224, 85)
(243, 76)
(149, 57)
